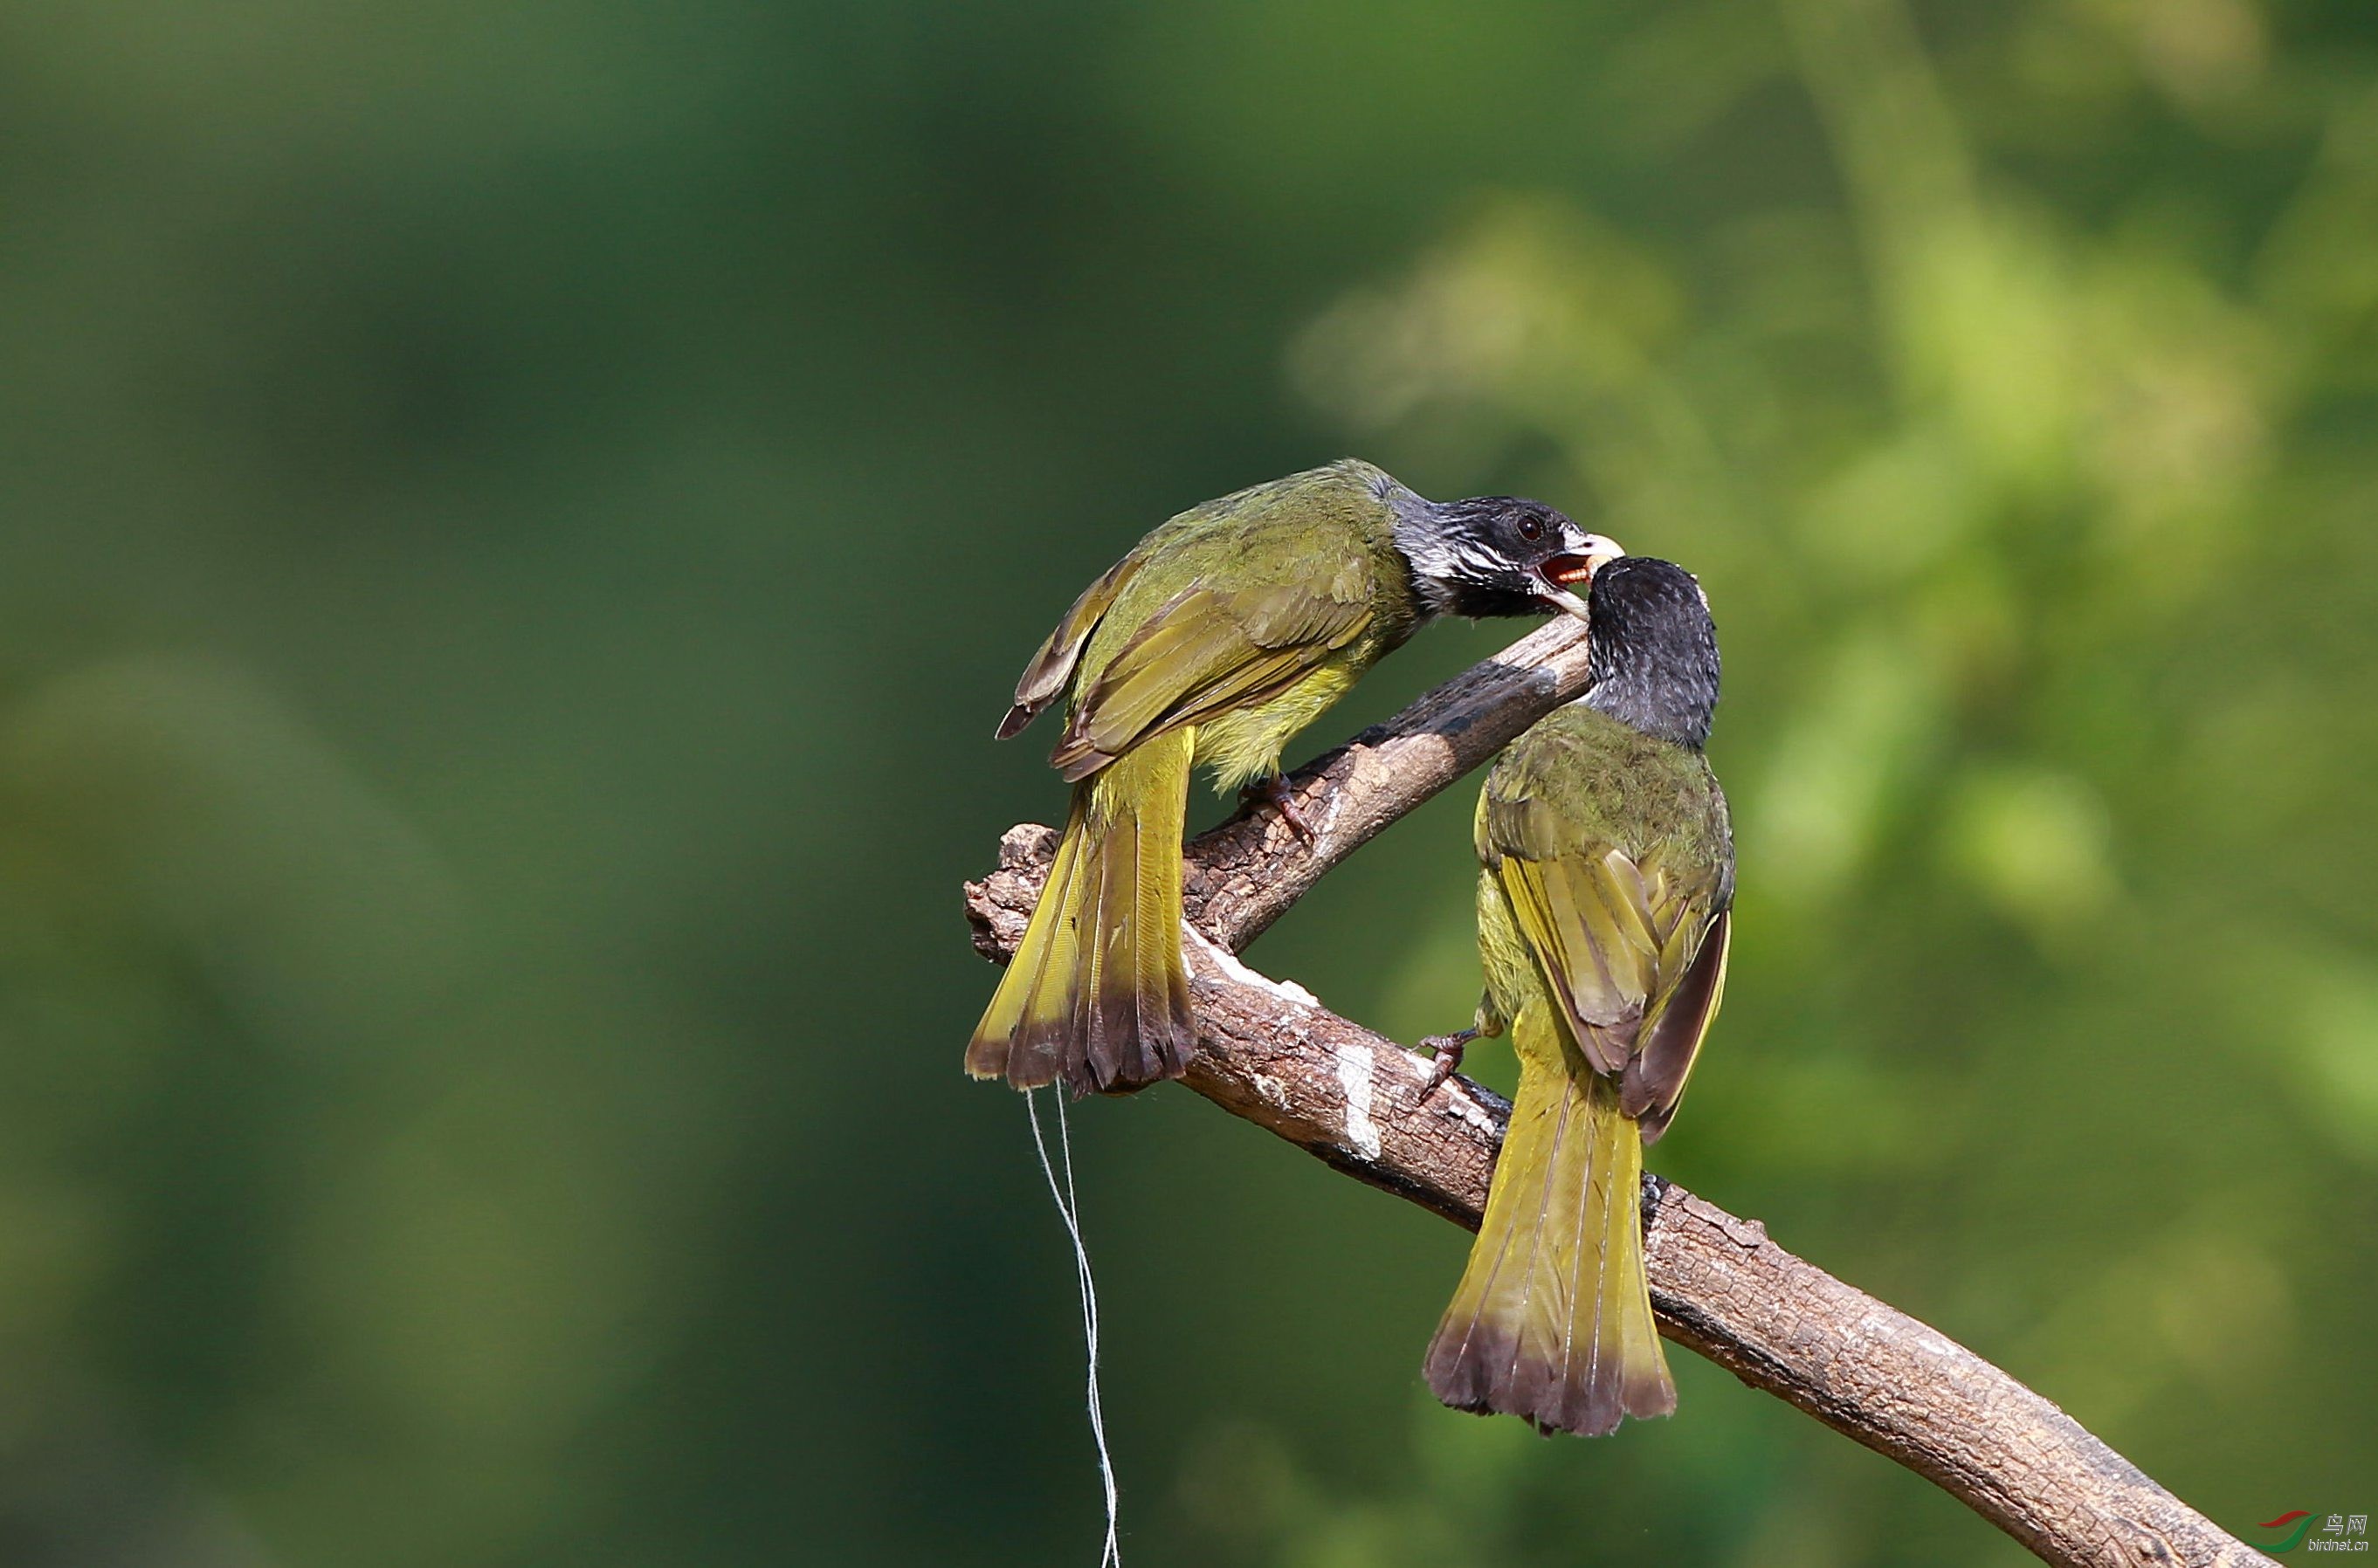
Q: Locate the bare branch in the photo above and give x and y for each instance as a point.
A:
(1272, 1054)
(1242, 874)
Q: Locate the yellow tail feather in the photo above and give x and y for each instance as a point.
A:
(1098, 995)
(1553, 1319)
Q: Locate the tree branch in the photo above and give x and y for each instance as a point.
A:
(1269, 1052)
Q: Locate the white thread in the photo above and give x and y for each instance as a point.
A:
(1069, 1209)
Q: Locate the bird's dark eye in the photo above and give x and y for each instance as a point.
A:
(1530, 530)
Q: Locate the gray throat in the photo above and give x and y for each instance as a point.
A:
(1422, 538)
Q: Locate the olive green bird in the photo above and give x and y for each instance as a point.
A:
(1224, 632)
(1607, 874)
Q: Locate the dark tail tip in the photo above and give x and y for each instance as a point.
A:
(1484, 1371)
(1012, 725)
(1147, 1044)
(994, 1057)
(1108, 1061)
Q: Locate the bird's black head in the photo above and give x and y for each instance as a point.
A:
(1498, 555)
(1653, 661)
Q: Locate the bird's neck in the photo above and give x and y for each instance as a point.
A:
(1661, 703)
(1428, 555)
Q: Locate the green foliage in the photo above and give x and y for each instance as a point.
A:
(522, 521)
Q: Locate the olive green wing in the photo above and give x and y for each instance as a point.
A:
(1633, 951)
(1654, 1082)
(1204, 653)
(1045, 677)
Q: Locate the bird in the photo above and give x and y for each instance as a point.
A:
(1225, 631)
(1604, 897)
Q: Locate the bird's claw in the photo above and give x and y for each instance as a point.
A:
(1447, 1049)
(1275, 793)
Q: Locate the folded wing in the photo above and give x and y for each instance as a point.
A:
(1633, 954)
(1206, 652)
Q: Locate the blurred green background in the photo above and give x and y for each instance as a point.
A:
(521, 520)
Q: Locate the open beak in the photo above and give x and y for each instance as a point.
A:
(1558, 577)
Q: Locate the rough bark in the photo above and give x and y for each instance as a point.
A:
(1244, 873)
(1271, 1053)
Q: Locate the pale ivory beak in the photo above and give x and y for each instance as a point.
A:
(1555, 573)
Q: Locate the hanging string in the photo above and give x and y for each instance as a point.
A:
(1069, 1209)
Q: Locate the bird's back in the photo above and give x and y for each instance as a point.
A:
(1329, 532)
(1581, 780)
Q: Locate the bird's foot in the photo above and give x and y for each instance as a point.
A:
(1275, 793)
(1448, 1050)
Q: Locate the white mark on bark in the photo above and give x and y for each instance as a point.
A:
(1458, 1100)
(1356, 1066)
(1227, 962)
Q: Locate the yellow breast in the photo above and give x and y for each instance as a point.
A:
(1245, 746)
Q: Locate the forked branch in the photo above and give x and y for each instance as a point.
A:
(1271, 1053)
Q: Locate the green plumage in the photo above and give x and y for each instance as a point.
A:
(1224, 632)
(1245, 617)
(1607, 868)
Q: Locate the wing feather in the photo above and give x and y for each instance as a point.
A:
(1656, 1080)
(1044, 680)
(1634, 957)
(1205, 652)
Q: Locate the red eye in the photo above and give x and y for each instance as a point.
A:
(1530, 530)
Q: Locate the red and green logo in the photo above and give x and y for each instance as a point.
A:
(2287, 1531)
(2313, 1532)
